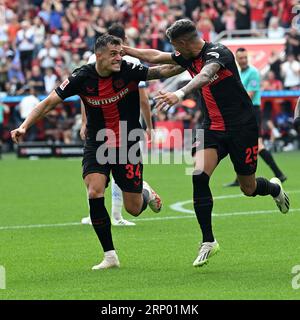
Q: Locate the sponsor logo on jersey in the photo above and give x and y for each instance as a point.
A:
(64, 84)
(109, 100)
(212, 79)
(119, 83)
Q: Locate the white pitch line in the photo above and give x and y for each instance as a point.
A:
(178, 206)
(32, 226)
(161, 218)
(218, 215)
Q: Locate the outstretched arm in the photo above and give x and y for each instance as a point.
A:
(297, 116)
(164, 71)
(150, 55)
(37, 113)
(203, 78)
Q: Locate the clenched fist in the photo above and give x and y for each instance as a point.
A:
(17, 134)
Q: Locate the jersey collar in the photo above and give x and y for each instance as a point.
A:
(201, 53)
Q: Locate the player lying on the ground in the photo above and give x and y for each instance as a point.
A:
(109, 90)
(230, 126)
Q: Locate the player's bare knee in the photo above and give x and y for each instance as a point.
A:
(94, 192)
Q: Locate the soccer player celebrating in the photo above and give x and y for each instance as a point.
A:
(251, 81)
(117, 219)
(109, 90)
(229, 124)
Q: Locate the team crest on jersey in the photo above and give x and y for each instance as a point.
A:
(119, 83)
(90, 89)
(64, 84)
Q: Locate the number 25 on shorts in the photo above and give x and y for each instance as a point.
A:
(251, 154)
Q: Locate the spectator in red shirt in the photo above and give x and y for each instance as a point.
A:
(286, 12)
(257, 13)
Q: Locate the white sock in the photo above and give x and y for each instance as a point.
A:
(116, 201)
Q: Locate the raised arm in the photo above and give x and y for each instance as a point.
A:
(150, 55)
(164, 71)
(203, 78)
(37, 113)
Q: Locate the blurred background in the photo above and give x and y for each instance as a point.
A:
(41, 42)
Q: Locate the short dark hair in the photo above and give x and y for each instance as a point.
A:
(181, 28)
(106, 39)
(117, 30)
(241, 50)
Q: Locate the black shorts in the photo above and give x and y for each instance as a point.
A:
(128, 176)
(241, 145)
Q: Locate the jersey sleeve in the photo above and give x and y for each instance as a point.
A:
(218, 54)
(70, 86)
(136, 72)
(178, 58)
(253, 83)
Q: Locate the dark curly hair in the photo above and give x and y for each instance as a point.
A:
(106, 39)
(180, 28)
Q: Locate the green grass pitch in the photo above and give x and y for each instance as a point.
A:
(47, 254)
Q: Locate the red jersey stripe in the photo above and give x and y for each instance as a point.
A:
(110, 111)
(216, 118)
(217, 121)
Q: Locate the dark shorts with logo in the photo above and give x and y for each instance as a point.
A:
(241, 145)
(128, 176)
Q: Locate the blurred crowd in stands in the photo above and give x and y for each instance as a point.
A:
(43, 41)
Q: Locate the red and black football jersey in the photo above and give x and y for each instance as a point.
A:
(107, 100)
(225, 103)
